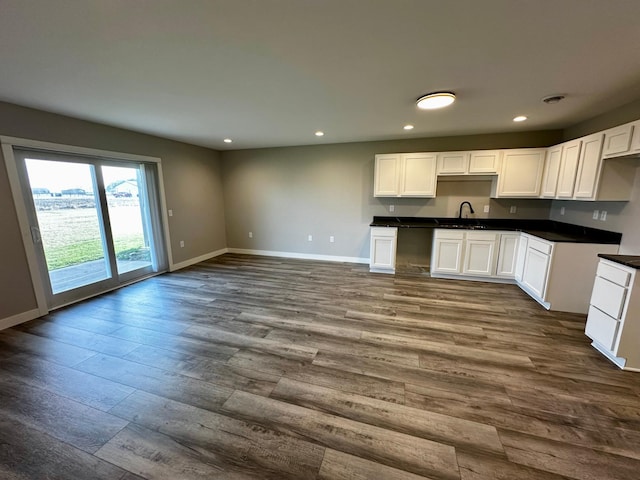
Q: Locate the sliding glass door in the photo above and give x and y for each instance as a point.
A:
(95, 222)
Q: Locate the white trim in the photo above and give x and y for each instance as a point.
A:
(303, 256)
(25, 230)
(61, 148)
(13, 320)
(165, 216)
(201, 258)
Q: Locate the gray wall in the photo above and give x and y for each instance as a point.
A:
(192, 184)
(282, 195)
(623, 217)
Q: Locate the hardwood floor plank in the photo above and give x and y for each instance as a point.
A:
(157, 381)
(16, 342)
(445, 429)
(342, 466)
(387, 390)
(81, 338)
(474, 466)
(157, 457)
(243, 341)
(82, 387)
(234, 444)
(396, 450)
(207, 369)
(26, 453)
(574, 462)
(83, 427)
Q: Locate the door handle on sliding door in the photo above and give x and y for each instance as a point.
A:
(35, 235)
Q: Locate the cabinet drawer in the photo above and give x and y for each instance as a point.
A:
(602, 328)
(540, 246)
(384, 232)
(608, 297)
(449, 233)
(614, 274)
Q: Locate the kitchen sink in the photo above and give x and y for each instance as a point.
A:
(464, 226)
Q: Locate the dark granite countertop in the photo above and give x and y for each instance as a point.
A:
(632, 261)
(546, 229)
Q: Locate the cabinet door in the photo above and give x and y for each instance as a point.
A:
(479, 257)
(387, 176)
(617, 141)
(383, 249)
(551, 171)
(418, 175)
(521, 256)
(453, 163)
(536, 269)
(507, 255)
(602, 328)
(447, 255)
(521, 173)
(484, 162)
(589, 167)
(568, 168)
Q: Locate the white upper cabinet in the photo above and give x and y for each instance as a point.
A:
(551, 171)
(568, 168)
(617, 141)
(521, 173)
(589, 167)
(479, 162)
(635, 138)
(453, 163)
(405, 175)
(484, 162)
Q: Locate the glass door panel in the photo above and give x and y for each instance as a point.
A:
(129, 217)
(70, 226)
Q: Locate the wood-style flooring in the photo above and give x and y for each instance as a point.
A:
(248, 367)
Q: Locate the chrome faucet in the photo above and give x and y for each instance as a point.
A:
(462, 205)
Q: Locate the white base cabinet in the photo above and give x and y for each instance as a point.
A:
(469, 253)
(384, 242)
(558, 274)
(613, 322)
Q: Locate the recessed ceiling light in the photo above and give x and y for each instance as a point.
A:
(520, 118)
(435, 100)
(408, 127)
(227, 140)
(319, 133)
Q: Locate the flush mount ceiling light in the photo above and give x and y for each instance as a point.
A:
(408, 127)
(520, 118)
(435, 100)
(227, 140)
(319, 133)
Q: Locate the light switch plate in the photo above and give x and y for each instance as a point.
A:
(513, 209)
(561, 210)
(596, 214)
(486, 209)
(392, 208)
(603, 215)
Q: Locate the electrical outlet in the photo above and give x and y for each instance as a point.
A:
(561, 210)
(486, 209)
(310, 238)
(332, 239)
(603, 215)
(513, 209)
(181, 243)
(392, 208)
(250, 234)
(170, 212)
(596, 214)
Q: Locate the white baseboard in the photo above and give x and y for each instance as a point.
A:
(19, 318)
(201, 258)
(301, 256)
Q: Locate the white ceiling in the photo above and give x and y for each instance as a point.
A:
(272, 72)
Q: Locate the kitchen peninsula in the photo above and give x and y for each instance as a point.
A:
(553, 262)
